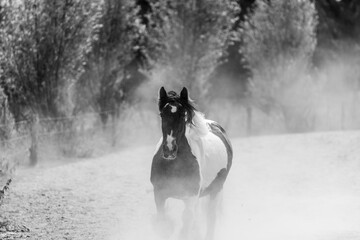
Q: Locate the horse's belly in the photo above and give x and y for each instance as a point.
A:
(211, 154)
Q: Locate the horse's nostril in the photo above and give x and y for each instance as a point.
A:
(168, 155)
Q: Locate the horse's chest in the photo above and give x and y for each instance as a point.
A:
(176, 178)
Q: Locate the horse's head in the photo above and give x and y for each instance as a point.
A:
(175, 111)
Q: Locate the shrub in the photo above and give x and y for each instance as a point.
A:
(278, 42)
(187, 38)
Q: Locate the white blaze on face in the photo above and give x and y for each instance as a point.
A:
(169, 141)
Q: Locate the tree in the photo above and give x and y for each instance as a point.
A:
(233, 73)
(6, 119)
(100, 85)
(338, 32)
(187, 38)
(337, 55)
(42, 52)
(279, 41)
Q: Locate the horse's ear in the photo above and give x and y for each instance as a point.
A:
(184, 95)
(162, 98)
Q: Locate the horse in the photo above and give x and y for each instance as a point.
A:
(191, 162)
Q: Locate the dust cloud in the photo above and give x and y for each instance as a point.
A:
(301, 186)
(323, 98)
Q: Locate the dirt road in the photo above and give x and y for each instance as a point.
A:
(280, 187)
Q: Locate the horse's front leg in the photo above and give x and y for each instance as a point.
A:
(189, 229)
(163, 224)
(159, 202)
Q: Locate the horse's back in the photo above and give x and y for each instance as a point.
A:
(217, 130)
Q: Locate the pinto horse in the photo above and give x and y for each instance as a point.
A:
(191, 162)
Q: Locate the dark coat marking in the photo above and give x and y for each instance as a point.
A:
(176, 178)
(217, 184)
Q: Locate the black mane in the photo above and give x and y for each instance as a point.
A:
(185, 103)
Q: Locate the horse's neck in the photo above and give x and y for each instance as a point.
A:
(195, 142)
(199, 128)
(183, 142)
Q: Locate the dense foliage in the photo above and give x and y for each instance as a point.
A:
(338, 32)
(279, 35)
(188, 39)
(279, 42)
(99, 87)
(44, 45)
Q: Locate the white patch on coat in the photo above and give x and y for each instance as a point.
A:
(169, 140)
(200, 126)
(208, 149)
(173, 109)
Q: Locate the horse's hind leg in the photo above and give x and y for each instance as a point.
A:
(213, 206)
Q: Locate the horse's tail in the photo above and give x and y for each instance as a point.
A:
(217, 184)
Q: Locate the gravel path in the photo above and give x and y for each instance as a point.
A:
(291, 187)
(83, 200)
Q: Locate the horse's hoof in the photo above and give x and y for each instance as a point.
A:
(163, 226)
(190, 234)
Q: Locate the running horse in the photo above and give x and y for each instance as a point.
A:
(191, 162)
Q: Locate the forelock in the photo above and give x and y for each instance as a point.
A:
(189, 108)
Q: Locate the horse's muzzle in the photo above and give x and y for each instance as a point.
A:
(169, 154)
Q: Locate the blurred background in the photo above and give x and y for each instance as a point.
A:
(80, 78)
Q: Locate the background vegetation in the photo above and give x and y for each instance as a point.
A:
(80, 77)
